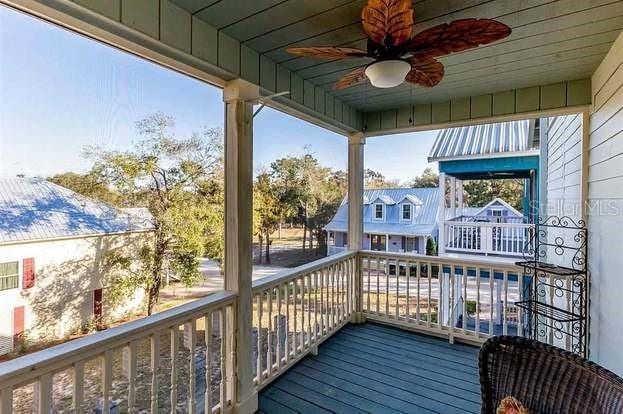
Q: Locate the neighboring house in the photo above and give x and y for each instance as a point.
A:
(53, 243)
(395, 220)
(497, 211)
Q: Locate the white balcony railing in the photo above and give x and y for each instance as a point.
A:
(456, 298)
(298, 309)
(331, 250)
(158, 362)
(508, 239)
(183, 358)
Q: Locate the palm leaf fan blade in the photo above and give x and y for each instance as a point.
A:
(328, 52)
(351, 78)
(457, 36)
(425, 72)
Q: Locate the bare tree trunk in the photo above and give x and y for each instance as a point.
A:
(311, 239)
(261, 242)
(267, 248)
(304, 236)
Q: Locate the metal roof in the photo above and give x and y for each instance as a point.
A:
(424, 220)
(35, 209)
(491, 140)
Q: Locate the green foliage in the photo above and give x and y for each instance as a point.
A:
(374, 179)
(431, 247)
(428, 179)
(180, 181)
(89, 185)
(480, 192)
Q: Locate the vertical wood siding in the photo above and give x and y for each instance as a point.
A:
(605, 216)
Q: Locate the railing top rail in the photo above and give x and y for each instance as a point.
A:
(487, 224)
(23, 369)
(477, 262)
(289, 274)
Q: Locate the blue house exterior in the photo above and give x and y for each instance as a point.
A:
(394, 219)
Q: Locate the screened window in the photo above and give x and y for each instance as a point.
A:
(378, 211)
(9, 277)
(406, 211)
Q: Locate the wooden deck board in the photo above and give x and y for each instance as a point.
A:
(379, 369)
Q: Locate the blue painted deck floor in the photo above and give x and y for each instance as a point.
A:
(373, 368)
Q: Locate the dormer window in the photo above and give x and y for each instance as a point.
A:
(379, 211)
(407, 212)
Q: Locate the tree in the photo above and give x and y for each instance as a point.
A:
(481, 192)
(428, 179)
(180, 181)
(374, 179)
(431, 247)
(267, 211)
(89, 185)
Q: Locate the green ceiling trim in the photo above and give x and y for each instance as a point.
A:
(525, 100)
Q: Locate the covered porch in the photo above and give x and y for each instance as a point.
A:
(274, 344)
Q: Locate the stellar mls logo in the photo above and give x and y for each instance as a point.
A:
(573, 208)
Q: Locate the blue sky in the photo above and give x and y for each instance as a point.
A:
(60, 92)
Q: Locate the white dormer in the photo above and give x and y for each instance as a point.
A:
(378, 211)
(409, 208)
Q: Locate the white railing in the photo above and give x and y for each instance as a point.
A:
(331, 250)
(296, 310)
(147, 364)
(508, 239)
(456, 298)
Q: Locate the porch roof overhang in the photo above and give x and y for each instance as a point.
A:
(491, 168)
(544, 66)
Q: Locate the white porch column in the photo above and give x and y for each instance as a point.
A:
(453, 197)
(356, 142)
(441, 215)
(238, 236)
(459, 191)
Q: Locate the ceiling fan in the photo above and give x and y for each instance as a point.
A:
(399, 56)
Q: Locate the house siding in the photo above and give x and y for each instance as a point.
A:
(605, 217)
(67, 273)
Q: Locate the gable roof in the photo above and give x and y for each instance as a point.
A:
(503, 203)
(35, 209)
(423, 223)
(501, 139)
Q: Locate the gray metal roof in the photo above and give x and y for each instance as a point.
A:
(35, 209)
(424, 220)
(491, 140)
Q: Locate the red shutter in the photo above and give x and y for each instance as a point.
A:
(18, 324)
(28, 278)
(97, 308)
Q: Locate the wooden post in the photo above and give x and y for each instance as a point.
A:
(238, 96)
(453, 197)
(356, 144)
(459, 193)
(441, 215)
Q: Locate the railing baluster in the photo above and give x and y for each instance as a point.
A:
(505, 316)
(6, 401)
(154, 342)
(260, 311)
(322, 297)
(429, 273)
(131, 355)
(106, 381)
(418, 272)
(453, 298)
(491, 310)
(296, 317)
(387, 271)
(223, 363)
(397, 289)
(408, 276)
(519, 309)
(78, 386)
(333, 293)
(269, 340)
(378, 285)
(477, 301)
(464, 284)
(190, 332)
(309, 292)
(287, 323)
(316, 309)
(368, 295)
(44, 386)
(174, 351)
(207, 396)
(278, 328)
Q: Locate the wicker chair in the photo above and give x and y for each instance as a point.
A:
(545, 379)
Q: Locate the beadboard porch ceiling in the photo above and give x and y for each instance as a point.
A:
(552, 41)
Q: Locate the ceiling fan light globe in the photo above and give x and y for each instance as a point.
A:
(387, 73)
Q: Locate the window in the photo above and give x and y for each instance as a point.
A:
(406, 211)
(9, 275)
(378, 211)
(497, 213)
